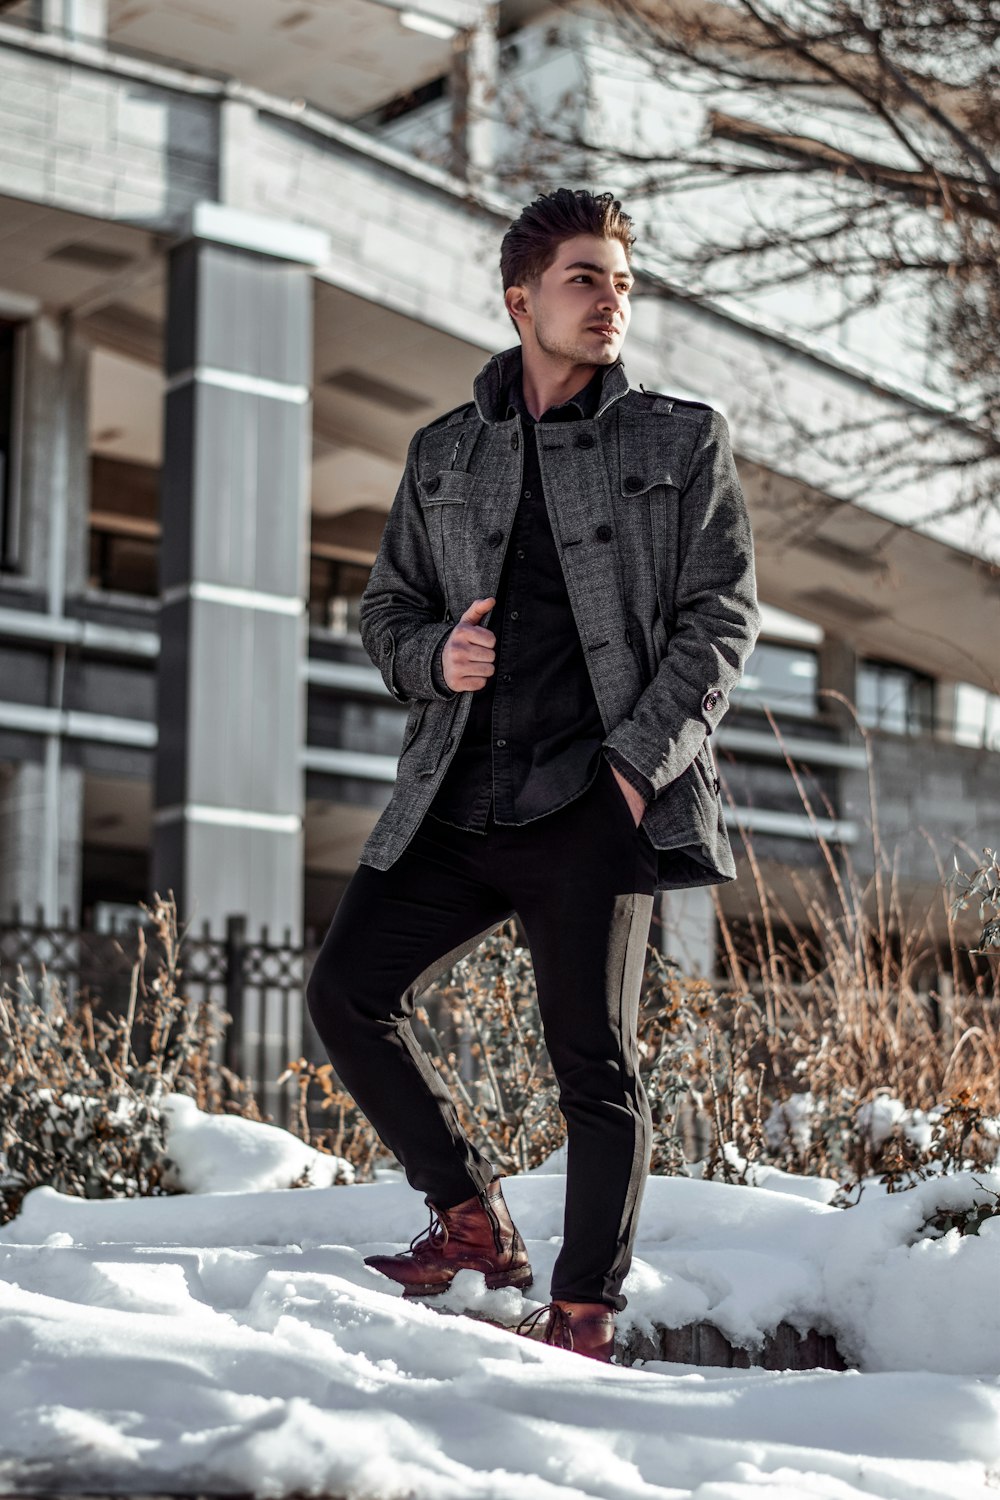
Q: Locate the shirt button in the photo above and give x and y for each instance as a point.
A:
(500, 744)
(505, 677)
(520, 553)
(513, 614)
(527, 494)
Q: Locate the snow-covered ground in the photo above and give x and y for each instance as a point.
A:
(231, 1340)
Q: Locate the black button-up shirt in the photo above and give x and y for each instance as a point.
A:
(533, 738)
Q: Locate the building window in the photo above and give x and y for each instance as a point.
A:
(10, 371)
(895, 698)
(335, 589)
(977, 717)
(124, 527)
(782, 676)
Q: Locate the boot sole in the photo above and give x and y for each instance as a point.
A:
(521, 1278)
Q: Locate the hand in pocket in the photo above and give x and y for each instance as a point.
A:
(636, 801)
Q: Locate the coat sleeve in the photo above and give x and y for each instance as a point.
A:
(715, 622)
(402, 616)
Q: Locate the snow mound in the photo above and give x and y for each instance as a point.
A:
(227, 1154)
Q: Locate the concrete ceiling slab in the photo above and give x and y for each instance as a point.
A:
(345, 56)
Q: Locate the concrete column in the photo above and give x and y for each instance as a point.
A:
(54, 499)
(234, 502)
(41, 821)
(475, 120)
(85, 19)
(689, 926)
(945, 710)
(41, 800)
(838, 669)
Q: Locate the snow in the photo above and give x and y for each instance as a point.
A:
(219, 1154)
(230, 1339)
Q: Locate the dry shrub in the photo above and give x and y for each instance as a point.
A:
(835, 1060)
(81, 1089)
(840, 1058)
(486, 1041)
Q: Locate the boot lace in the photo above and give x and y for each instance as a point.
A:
(435, 1235)
(557, 1330)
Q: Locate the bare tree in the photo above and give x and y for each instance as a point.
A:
(866, 136)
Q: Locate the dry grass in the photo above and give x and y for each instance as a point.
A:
(824, 1053)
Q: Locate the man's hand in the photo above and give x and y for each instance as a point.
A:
(635, 799)
(467, 658)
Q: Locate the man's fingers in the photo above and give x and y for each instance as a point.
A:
(476, 610)
(477, 635)
(472, 645)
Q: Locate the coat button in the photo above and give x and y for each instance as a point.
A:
(513, 441)
(632, 482)
(495, 538)
(433, 484)
(604, 533)
(585, 440)
(709, 701)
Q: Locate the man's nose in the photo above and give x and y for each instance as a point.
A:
(612, 302)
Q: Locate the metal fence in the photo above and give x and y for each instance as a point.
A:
(258, 982)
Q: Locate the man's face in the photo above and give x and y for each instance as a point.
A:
(586, 286)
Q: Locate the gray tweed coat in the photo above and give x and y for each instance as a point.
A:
(654, 537)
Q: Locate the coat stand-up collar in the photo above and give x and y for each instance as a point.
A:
(493, 378)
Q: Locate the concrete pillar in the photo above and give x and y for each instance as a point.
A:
(475, 108)
(84, 19)
(41, 822)
(54, 499)
(945, 711)
(234, 502)
(837, 669)
(41, 800)
(689, 927)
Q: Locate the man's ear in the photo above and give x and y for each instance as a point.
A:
(516, 303)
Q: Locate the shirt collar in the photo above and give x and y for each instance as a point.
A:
(583, 405)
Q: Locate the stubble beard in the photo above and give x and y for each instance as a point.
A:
(584, 351)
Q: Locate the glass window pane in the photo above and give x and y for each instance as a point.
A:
(783, 677)
(895, 698)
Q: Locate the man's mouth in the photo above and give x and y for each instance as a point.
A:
(606, 328)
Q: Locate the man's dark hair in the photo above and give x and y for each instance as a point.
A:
(530, 245)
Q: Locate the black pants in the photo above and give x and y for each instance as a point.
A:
(581, 880)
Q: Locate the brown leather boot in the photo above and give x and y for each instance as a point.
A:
(585, 1327)
(477, 1235)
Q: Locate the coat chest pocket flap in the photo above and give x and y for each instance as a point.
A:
(446, 487)
(643, 469)
(650, 475)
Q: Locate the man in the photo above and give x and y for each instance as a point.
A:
(564, 597)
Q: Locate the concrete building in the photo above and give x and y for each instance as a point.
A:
(243, 255)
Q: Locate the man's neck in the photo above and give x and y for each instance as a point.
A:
(547, 387)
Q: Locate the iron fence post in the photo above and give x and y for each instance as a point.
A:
(236, 943)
